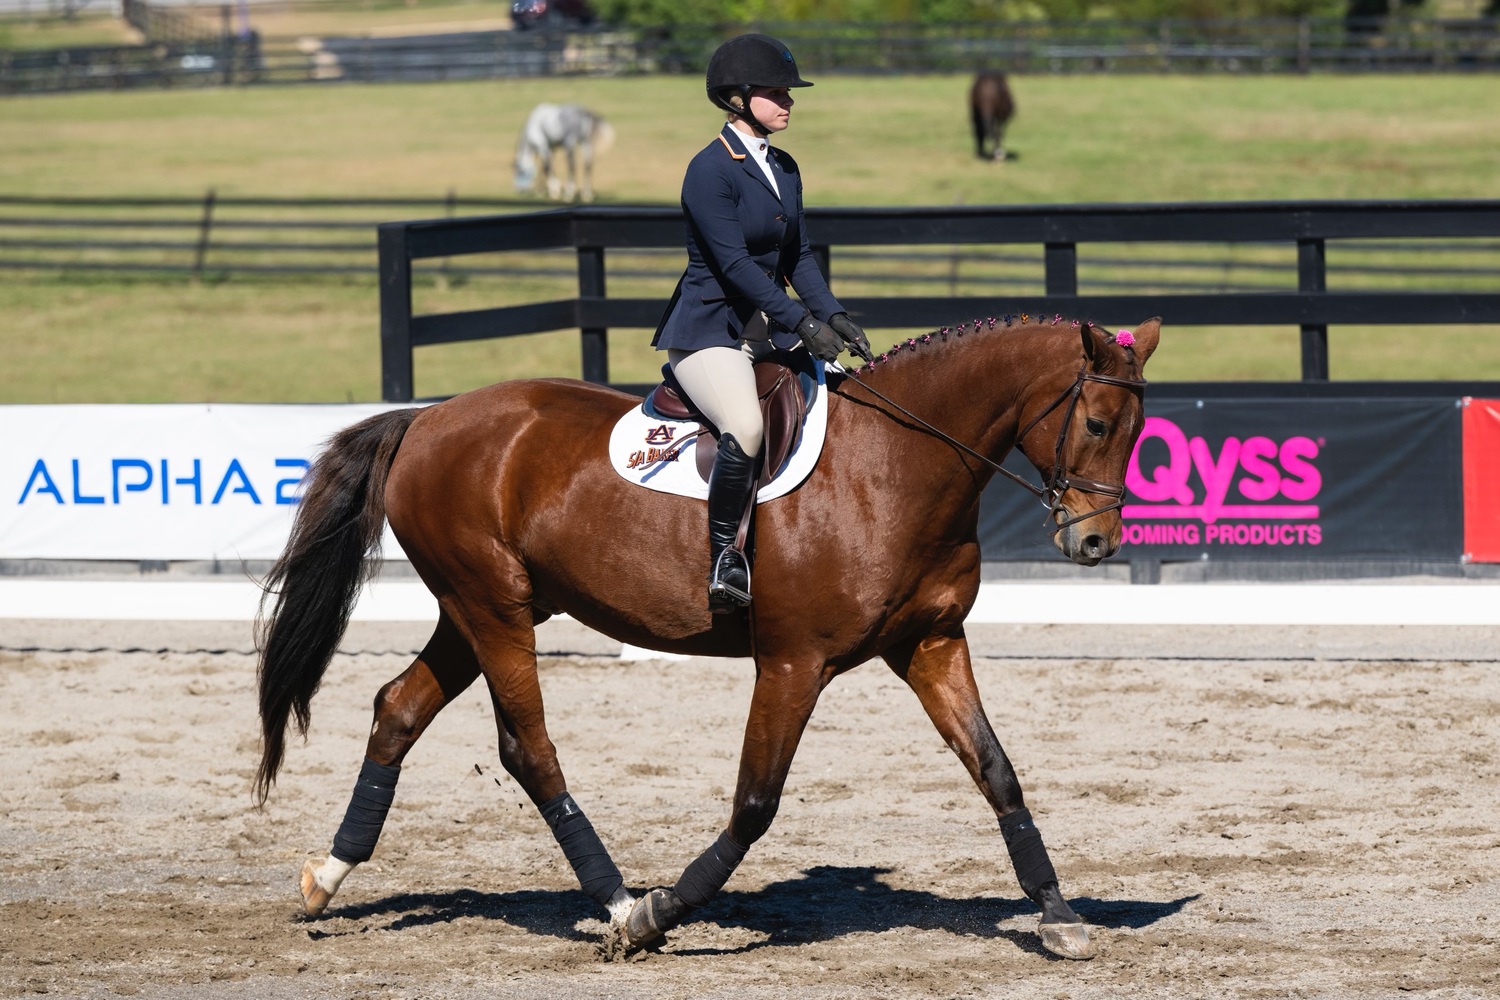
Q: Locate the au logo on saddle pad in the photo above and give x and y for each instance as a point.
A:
(660, 434)
(662, 454)
(658, 448)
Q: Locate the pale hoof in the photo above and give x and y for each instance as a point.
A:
(1067, 940)
(314, 897)
(616, 943)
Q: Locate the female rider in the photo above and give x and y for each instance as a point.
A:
(746, 241)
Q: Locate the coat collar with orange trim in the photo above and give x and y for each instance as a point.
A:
(736, 145)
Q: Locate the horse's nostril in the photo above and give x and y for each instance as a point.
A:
(1094, 545)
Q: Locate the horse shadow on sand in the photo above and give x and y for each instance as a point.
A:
(825, 903)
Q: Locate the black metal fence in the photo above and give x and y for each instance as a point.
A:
(234, 238)
(1164, 45)
(194, 50)
(210, 235)
(1304, 231)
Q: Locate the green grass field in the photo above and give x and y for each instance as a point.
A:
(860, 140)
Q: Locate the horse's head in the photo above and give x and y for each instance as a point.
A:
(1080, 439)
(525, 170)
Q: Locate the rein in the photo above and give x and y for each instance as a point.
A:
(1057, 483)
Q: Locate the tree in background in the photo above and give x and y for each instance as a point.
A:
(1206, 9)
(1363, 19)
(670, 13)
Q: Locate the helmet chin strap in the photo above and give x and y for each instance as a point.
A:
(744, 115)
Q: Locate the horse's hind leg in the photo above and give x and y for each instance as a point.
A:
(587, 189)
(403, 709)
(939, 671)
(507, 652)
(780, 706)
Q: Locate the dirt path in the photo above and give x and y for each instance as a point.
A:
(1251, 813)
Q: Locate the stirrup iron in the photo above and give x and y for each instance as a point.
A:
(724, 594)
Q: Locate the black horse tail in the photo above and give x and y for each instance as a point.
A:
(340, 519)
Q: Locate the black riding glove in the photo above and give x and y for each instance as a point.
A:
(853, 336)
(821, 340)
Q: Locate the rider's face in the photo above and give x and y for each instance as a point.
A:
(772, 107)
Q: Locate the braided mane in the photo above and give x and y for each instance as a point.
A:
(941, 334)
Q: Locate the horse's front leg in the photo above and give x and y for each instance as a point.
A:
(571, 187)
(780, 706)
(553, 182)
(938, 669)
(403, 710)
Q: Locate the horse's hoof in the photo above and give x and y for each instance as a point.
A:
(314, 897)
(1067, 940)
(655, 913)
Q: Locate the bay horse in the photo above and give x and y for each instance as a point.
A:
(990, 107)
(504, 502)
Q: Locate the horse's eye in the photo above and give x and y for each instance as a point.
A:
(1096, 427)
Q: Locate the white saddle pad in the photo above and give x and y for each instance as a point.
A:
(661, 454)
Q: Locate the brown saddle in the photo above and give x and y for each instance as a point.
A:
(783, 404)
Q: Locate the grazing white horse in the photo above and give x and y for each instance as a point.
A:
(578, 132)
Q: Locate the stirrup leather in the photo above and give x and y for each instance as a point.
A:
(724, 590)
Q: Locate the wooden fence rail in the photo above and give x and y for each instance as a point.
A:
(1305, 229)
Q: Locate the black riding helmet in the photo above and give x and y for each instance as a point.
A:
(745, 62)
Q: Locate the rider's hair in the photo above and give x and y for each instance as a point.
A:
(738, 103)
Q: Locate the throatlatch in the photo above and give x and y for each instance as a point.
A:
(373, 793)
(1027, 853)
(596, 871)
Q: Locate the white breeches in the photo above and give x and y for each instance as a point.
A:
(720, 382)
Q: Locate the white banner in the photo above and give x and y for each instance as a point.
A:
(174, 482)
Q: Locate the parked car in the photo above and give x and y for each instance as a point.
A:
(530, 13)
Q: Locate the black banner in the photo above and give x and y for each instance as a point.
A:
(1289, 479)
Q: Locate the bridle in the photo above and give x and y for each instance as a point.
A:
(1057, 482)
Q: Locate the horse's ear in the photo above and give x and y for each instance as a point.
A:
(1094, 340)
(1147, 336)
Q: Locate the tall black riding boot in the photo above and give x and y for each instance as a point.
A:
(729, 489)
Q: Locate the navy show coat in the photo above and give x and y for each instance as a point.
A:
(745, 245)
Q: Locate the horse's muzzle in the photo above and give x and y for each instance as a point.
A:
(1089, 540)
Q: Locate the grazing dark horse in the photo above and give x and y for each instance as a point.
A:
(504, 502)
(990, 106)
